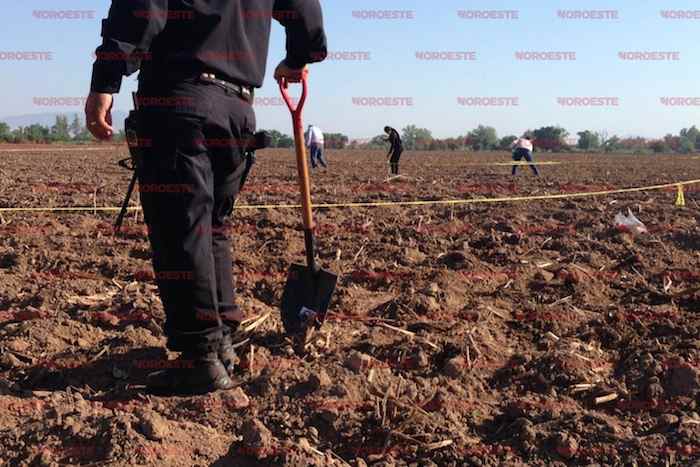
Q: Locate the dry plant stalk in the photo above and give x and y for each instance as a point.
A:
(604, 399)
(438, 445)
(257, 323)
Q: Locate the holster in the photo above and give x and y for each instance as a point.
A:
(133, 130)
(249, 162)
(253, 142)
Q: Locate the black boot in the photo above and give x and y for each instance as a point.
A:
(192, 373)
(227, 354)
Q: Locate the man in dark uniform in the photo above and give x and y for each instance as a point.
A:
(199, 62)
(395, 149)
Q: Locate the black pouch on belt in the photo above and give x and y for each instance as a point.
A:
(134, 139)
(259, 140)
(136, 145)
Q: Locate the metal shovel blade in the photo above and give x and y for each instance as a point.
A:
(306, 298)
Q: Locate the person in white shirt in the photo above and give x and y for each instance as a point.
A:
(522, 148)
(314, 141)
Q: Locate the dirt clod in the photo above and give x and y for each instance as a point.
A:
(566, 445)
(319, 379)
(683, 381)
(236, 399)
(257, 439)
(358, 361)
(455, 367)
(152, 425)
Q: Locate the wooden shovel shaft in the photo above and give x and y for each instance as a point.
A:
(303, 169)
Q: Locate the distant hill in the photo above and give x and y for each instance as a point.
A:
(48, 119)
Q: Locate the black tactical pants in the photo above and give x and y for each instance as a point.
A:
(394, 161)
(190, 176)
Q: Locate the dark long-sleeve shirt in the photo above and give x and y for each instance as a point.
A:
(394, 140)
(227, 37)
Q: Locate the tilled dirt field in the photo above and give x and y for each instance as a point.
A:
(518, 333)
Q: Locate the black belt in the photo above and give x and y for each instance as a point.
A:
(150, 81)
(246, 93)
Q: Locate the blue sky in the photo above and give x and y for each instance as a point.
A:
(394, 71)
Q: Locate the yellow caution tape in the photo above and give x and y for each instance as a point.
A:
(680, 198)
(392, 203)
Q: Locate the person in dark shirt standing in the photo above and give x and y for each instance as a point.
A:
(395, 149)
(199, 63)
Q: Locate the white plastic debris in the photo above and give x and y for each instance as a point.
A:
(630, 223)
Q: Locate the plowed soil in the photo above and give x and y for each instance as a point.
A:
(514, 333)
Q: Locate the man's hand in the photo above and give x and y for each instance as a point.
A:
(98, 115)
(292, 75)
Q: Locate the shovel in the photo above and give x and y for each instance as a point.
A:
(309, 288)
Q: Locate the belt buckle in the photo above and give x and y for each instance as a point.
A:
(241, 90)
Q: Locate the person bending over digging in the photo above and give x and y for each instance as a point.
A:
(395, 148)
(194, 90)
(522, 148)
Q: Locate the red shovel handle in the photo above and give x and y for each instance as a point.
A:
(284, 88)
(302, 165)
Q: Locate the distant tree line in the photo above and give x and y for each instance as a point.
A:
(75, 132)
(548, 138)
(686, 142)
(482, 138)
(280, 140)
(331, 140)
(60, 131)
